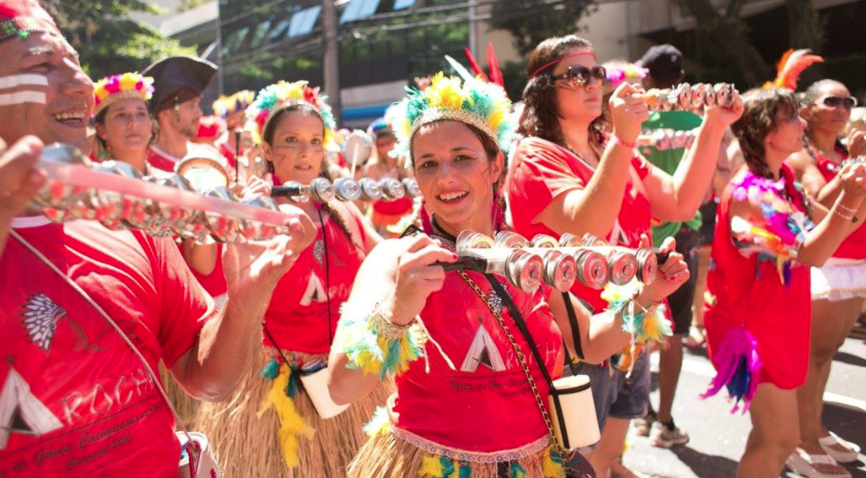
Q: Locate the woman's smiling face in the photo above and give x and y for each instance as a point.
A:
(455, 175)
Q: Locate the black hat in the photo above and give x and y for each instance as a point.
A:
(662, 61)
(177, 79)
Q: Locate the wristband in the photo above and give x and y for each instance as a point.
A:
(628, 144)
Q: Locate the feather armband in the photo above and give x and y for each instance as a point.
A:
(374, 344)
(645, 324)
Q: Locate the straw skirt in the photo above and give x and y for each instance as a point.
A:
(249, 441)
(186, 407)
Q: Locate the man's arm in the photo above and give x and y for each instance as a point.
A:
(20, 180)
(223, 353)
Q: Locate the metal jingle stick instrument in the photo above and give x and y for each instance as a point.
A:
(320, 190)
(690, 97)
(646, 261)
(78, 189)
(522, 269)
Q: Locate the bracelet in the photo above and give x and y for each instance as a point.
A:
(851, 210)
(843, 216)
(387, 329)
(628, 144)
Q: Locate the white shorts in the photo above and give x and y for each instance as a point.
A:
(839, 279)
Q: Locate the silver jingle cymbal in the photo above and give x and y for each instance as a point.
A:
(347, 189)
(509, 240)
(392, 189)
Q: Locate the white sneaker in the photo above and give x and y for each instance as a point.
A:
(663, 437)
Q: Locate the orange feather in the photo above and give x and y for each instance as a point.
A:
(790, 66)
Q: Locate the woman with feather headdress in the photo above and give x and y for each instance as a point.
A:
(475, 417)
(839, 287)
(756, 307)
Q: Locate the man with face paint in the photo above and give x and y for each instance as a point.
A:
(75, 399)
(178, 83)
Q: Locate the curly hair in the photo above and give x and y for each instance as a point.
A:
(760, 118)
(541, 113)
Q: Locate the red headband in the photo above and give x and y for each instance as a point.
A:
(548, 65)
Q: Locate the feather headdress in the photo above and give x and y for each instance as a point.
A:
(226, 106)
(120, 87)
(482, 105)
(284, 93)
(790, 66)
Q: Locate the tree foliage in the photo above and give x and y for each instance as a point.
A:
(532, 21)
(108, 41)
(730, 36)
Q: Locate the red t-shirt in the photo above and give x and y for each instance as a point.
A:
(486, 405)
(748, 291)
(540, 171)
(226, 150)
(161, 160)
(215, 282)
(854, 246)
(297, 316)
(75, 400)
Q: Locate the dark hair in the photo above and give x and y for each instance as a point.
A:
(100, 120)
(541, 113)
(761, 118)
(814, 90)
(808, 98)
(325, 171)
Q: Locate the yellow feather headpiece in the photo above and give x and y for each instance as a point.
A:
(482, 105)
(120, 87)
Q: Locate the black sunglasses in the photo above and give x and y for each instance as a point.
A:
(581, 75)
(837, 101)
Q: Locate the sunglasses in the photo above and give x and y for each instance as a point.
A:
(581, 75)
(837, 101)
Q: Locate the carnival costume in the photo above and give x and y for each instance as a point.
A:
(843, 276)
(475, 416)
(113, 88)
(385, 215)
(270, 426)
(106, 92)
(231, 109)
(176, 80)
(539, 172)
(757, 305)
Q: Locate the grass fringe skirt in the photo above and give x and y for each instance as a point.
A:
(248, 444)
(387, 456)
(187, 407)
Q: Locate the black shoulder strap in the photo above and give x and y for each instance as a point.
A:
(575, 326)
(521, 324)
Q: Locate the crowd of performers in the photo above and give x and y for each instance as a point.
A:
(344, 348)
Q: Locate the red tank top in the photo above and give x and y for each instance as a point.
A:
(749, 291)
(226, 150)
(541, 170)
(298, 316)
(215, 282)
(160, 161)
(854, 246)
(393, 208)
(486, 405)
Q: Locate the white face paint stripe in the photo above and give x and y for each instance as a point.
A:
(17, 80)
(22, 97)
